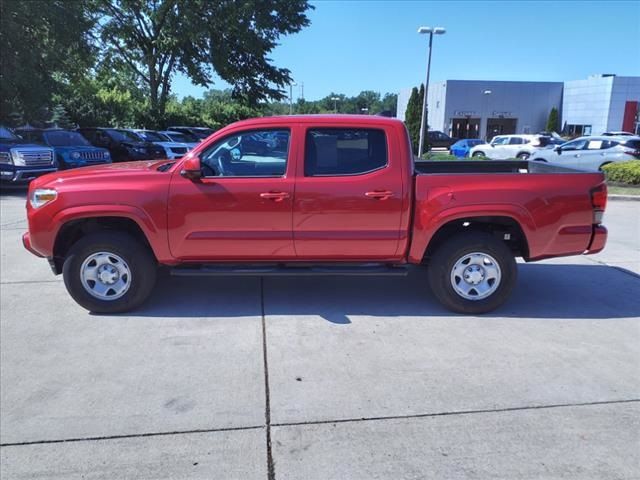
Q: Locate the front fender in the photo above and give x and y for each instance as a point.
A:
(44, 231)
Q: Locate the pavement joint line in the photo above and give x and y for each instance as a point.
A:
(132, 435)
(271, 473)
(446, 414)
(19, 282)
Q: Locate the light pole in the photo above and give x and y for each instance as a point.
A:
(485, 98)
(423, 121)
(335, 104)
(291, 85)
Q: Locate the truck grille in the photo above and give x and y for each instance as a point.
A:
(4, 157)
(36, 158)
(92, 156)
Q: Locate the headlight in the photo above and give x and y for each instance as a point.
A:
(106, 155)
(75, 155)
(42, 196)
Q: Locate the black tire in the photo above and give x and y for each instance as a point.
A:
(140, 260)
(444, 259)
(478, 154)
(523, 156)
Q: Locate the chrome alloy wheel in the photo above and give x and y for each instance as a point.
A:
(105, 276)
(475, 276)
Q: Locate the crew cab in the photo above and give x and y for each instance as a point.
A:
(341, 196)
(22, 161)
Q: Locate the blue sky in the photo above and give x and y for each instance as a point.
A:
(352, 46)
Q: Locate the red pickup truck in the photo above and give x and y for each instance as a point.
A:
(310, 195)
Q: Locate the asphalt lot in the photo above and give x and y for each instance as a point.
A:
(364, 378)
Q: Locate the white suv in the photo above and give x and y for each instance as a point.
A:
(592, 153)
(503, 147)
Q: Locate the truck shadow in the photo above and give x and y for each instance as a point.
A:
(13, 191)
(543, 291)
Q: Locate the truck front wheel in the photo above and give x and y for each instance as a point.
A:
(472, 273)
(109, 272)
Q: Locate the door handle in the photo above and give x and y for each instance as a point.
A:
(379, 194)
(577, 155)
(275, 196)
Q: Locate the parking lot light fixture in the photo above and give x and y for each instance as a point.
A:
(291, 85)
(423, 122)
(335, 104)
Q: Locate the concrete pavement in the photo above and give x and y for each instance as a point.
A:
(324, 377)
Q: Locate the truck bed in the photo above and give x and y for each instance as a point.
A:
(488, 166)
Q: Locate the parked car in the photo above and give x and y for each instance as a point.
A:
(618, 134)
(180, 137)
(461, 147)
(21, 161)
(199, 132)
(437, 139)
(330, 206)
(503, 147)
(123, 144)
(173, 149)
(592, 153)
(71, 149)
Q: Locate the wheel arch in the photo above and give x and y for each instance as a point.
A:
(505, 227)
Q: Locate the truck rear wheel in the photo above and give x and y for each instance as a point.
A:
(109, 272)
(472, 273)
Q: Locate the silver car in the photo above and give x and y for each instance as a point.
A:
(591, 153)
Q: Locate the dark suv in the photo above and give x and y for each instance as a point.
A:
(437, 139)
(123, 145)
(199, 132)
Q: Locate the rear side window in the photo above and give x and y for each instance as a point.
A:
(515, 141)
(344, 151)
(635, 144)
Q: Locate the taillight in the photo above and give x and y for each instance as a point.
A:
(599, 202)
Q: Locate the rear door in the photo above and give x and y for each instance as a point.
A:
(348, 199)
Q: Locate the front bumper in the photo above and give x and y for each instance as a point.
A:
(598, 240)
(14, 174)
(26, 241)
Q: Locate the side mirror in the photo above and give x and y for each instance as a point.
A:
(191, 169)
(558, 149)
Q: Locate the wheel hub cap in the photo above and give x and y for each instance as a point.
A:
(105, 275)
(475, 276)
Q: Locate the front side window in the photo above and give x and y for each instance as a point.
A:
(256, 153)
(500, 141)
(575, 145)
(344, 151)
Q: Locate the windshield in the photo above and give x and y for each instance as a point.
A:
(5, 134)
(62, 138)
(150, 136)
(181, 137)
(124, 135)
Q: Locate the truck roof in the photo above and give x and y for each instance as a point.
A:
(320, 119)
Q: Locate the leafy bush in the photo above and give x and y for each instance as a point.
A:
(439, 156)
(623, 172)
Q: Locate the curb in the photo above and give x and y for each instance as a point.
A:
(627, 198)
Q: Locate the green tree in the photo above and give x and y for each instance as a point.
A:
(413, 116)
(232, 39)
(553, 120)
(59, 117)
(44, 45)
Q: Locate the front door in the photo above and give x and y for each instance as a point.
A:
(348, 201)
(242, 207)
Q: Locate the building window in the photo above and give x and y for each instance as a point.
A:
(578, 130)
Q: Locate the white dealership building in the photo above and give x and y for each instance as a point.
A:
(484, 108)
